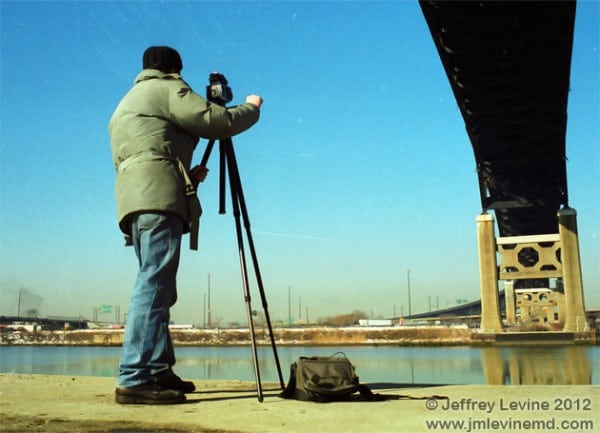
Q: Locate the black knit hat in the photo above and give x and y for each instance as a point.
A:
(165, 59)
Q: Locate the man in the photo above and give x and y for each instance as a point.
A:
(154, 131)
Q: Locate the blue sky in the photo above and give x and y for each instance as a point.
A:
(359, 169)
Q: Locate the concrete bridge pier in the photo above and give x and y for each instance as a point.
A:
(555, 255)
(488, 274)
(575, 319)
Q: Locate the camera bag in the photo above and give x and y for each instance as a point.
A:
(323, 379)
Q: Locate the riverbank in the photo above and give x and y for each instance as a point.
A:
(313, 336)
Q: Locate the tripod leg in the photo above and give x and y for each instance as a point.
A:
(233, 185)
(206, 155)
(222, 170)
(236, 180)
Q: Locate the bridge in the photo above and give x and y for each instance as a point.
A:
(508, 64)
(470, 313)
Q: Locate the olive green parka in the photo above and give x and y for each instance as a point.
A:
(154, 131)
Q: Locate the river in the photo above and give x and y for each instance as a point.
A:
(390, 364)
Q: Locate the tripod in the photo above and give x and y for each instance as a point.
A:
(228, 163)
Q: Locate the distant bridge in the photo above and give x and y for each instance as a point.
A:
(470, 312)
(462, 310)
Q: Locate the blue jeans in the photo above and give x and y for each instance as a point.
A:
(147, 347)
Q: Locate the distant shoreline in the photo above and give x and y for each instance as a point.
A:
(283, 336)
(309, 336)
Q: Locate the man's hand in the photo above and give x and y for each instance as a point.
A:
(198, 174)
(254, 100)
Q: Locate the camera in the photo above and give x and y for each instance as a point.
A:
(217, 90)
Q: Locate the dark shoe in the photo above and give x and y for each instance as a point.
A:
(148, 393)
(169, 379)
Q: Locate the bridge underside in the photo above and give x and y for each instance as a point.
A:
(508, 64)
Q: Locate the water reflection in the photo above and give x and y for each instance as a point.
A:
(407, 365)
(570, 365)
(531, 365)
(537, 366)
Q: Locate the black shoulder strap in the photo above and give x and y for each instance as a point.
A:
(290, 389)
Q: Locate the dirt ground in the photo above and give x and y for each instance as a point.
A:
(66, 404)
